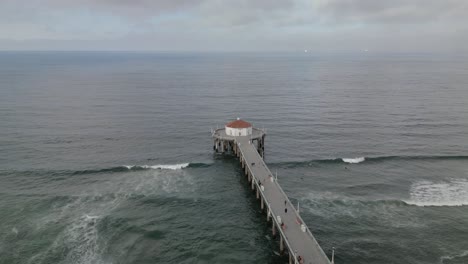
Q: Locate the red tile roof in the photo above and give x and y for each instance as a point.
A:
(238, 124)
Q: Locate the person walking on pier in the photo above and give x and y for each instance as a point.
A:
(285, 210)
(299, 258)
(284, 202)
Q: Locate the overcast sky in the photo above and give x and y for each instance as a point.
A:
(242, 25)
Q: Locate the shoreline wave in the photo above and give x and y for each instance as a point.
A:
(436, 204)
(440, 193)
(126, 168)
(394, 202)
(122, 168)
(289, 164)
(161, 167)
(422, 194)
(364, 159)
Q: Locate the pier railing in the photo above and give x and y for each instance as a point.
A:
(274, 217)
(302, 220)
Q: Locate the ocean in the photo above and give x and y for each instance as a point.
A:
(106, 157)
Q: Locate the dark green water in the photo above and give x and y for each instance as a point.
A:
(107, 157)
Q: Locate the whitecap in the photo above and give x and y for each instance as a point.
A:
(448, 193)
(450, 257)
(168, 167)
(354, 160)
(159, 167)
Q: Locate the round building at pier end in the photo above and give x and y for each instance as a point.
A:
(238, 128)
(236, 132)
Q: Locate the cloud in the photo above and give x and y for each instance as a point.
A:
(395, 11)
(135, 8)
(242, 24)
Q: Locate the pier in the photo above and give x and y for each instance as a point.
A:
(248, 145)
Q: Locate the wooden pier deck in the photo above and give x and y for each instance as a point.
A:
(295, 234)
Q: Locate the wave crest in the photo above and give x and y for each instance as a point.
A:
(456, 256)
(354, 160)
(160, 167)
(292, 164)
(125, 168)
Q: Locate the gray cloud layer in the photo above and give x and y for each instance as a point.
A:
(395, 11)
(322, 25)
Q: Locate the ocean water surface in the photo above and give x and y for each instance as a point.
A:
(107, 157)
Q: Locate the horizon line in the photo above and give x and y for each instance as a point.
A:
(237, 51)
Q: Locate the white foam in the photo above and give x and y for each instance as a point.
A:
(354, 160)
(81, 239)
(449, 193)
(78, 243)
(461, 255)
(159, 167)
(14, 230)
(81, 242)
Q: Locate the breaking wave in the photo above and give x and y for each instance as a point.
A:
(422, 194)
(125, 168)
(160, 167)
(333, 199)
(354, 160)
(447, 193)
(368, 159)
(461, 255)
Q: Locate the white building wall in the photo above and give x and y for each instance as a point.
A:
(229, 131)
(238, 131)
